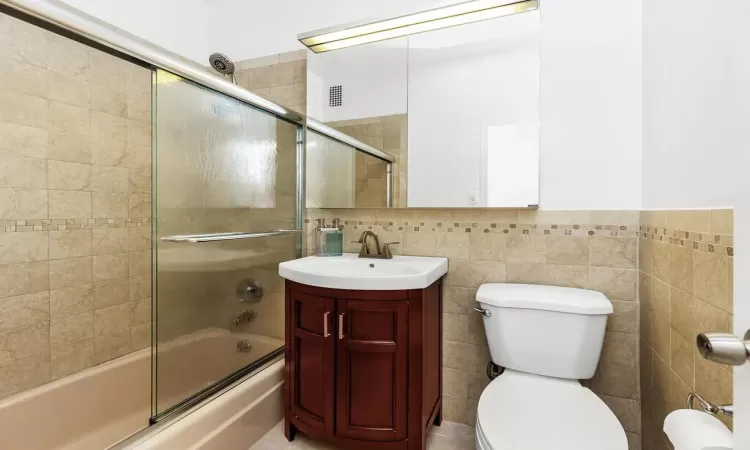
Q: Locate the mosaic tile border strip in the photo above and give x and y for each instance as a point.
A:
(495, 228)
(699, 241)
(18, 226)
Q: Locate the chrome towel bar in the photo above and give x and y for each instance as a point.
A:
(216, 237)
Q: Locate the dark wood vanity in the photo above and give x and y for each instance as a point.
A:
(363, 368)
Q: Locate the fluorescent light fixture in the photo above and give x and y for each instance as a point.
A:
(434, 19)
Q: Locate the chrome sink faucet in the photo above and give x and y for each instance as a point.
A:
(365, 251)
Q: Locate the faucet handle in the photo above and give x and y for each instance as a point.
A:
(387, 249)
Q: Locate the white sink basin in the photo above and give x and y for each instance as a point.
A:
(350, 272)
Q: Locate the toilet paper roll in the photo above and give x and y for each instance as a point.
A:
(696, 430)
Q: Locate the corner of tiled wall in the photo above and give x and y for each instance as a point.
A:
(74, 206)
(686, 265)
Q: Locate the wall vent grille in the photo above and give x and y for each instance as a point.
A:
(335, 97)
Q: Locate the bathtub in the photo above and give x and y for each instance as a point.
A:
(100, 406)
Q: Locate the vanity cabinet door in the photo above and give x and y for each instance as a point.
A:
(372, 350)
(310, 359)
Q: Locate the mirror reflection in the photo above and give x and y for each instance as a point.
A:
(456, 108)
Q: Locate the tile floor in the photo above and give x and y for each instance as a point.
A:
(448, 436)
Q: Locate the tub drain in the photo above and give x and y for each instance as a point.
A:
(244, 346)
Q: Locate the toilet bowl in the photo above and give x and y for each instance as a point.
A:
(547, 338)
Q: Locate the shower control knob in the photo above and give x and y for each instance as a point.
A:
(249, 291)
(724, 348)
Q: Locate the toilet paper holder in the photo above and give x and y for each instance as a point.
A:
(709, 407)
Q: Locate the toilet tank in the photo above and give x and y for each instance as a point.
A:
(544, 330)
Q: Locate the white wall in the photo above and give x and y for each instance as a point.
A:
(177, 25)
(591, 104)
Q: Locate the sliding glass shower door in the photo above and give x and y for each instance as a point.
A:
(223, 172)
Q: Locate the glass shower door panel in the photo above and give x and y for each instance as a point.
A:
(220, 166)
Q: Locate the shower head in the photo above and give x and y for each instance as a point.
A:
(221, 63)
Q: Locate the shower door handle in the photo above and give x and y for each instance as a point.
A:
(325, 324)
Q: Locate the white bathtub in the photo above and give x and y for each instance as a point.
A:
(100, 406)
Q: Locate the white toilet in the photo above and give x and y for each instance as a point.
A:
(547, 338)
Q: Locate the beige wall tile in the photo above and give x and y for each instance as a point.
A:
(455, 409)
(682, 316)
(140, 206)
(419, 244)
(70, 272)
(661, 339)
(24, 374)
(525, 249)
(681, 268)
(111, 293)
(568, 276)
(68, 57)
(110, 267)
(487, 246)
(452, 245)
(69, 244)
(16, 204)
(713, 382)
(567, 250)
(709, 317)
(625, 317)
(139, 263)
(139, 155)
(72, 358)
(139, 105)
(456, 328)
(28, 341)
(108, 126)
(22, 172)
(67, 176)
(139, 238)
(614, 252)
(27, 278)
(616, 381)
(109, 152)
(23, 247)
(455, 382)
(140, 336)
(109, 240)
(139, 133)
(616, 284)
(111, 320)
(627, 412)
(24, 310)
(69, 147)
(661, 298)
(24, 110)
(682, 357)
(73, 91)
(689, 220)
(107, 178)
(23, 141)
(22, 77)
(140, 180)
(110, 99)
(661, 261)
(457, 300)
(24, 42)
(110, 204)
(621, 349)
(69, 118)
(68, 330)
(722, 222)
(140, 311)
(112, 345)
(711, 279)
(529, 273)
(140, 287)
(69, 204)
(72, 300)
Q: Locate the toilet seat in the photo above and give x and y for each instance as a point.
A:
(520, 411)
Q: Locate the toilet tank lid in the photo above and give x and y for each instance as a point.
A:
(546, 298)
